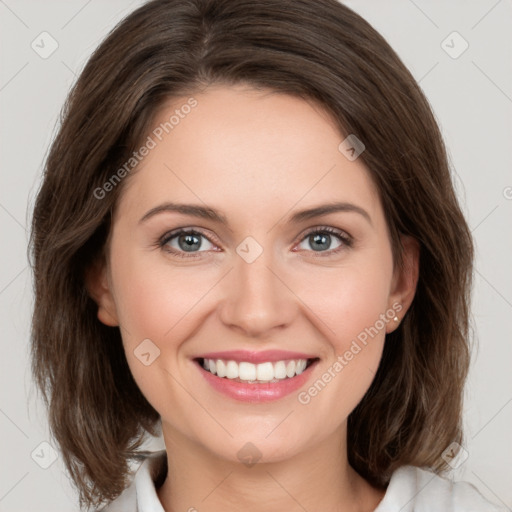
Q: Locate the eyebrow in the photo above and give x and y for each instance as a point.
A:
(206, 212)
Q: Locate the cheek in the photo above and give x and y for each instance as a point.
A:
(362, 300)
(352, 303)
(349, 301)
(163, 304)
(153, 300)
(154, 318)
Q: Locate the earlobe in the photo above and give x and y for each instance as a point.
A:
(106, 317)
(405, 281)
(99, 289)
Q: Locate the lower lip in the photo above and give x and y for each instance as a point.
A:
(265, 392)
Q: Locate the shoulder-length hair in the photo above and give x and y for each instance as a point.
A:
(315, 49)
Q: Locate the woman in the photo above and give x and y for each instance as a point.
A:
(247, 234)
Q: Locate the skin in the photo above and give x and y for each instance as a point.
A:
(258, 157)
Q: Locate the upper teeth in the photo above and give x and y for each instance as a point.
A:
(264, 372)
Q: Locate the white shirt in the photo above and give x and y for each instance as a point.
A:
(410, 489)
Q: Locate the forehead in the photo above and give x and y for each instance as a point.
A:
(247, 150)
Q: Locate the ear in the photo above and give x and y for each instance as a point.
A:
(405, 280)
(98, 286)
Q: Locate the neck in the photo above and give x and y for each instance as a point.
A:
(319, 478)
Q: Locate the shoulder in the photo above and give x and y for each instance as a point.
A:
(141, 494)
(413, 489)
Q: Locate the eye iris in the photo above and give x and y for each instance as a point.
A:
(189, 242)
(320, 241)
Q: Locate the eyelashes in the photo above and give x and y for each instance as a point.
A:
(190, 235)
(342, 237)
(193, 238)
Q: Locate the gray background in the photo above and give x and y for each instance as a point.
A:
(472, 98)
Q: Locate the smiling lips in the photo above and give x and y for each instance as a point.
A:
(255, 376)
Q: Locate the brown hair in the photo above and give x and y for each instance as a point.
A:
(319, 50)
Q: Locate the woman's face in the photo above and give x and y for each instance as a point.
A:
(263, 279)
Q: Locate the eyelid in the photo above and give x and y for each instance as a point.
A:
(327, 229)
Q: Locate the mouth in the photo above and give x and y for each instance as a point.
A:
(255, 382)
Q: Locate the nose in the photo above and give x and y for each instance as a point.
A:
(257, 300)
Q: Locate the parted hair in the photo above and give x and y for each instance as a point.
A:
(318, 50)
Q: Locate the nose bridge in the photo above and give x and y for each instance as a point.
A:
(256, 300)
